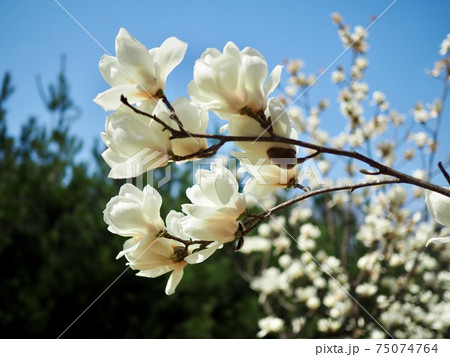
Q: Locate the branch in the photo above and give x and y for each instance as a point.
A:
(154, 117)
(265, 215)
(319, 149)
(445, 173)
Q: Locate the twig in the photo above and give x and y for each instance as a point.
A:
(445, 173)
(154, 117)
(265, 215)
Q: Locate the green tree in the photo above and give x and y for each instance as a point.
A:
(58, 257)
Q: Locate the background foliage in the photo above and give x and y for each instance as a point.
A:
(57, 256)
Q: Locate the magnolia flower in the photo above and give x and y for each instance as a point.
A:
(216, 206)
(137, 144)
(194, 120)
(136, 214)
(445, 46)
(439, 207)
(269, 324)
(266, 177)
(231, 81)
(155, 257)
(137, 73)
(270, 164)
(281, 126)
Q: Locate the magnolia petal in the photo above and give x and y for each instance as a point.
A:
(174, 224)
(135, 59)
(255, 70)
(124, 217)
(110, 99)
(152, 202)
(174, 280)
(207, 212)
(155, 272)
(121, 168)
(273, 80)
(129, 246)
(115, 161)
(281, 123)
(112, 72)
(438, 241)
(201, 256)
(257, 188)
(200, 98)
(210, 229)
(169, 55)
(131, 191)
(439, 207)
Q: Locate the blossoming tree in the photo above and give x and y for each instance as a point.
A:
(371, 254)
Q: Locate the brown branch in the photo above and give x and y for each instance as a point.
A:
(444, 172)
(154, 117)
(265, 215)
(173, 115)
(383, 169)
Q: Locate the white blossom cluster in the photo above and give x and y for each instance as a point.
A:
(345, 264)
(234, 84)
(388, 272)
(312, 285)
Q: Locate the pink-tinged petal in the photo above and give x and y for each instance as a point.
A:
(273, 80)
(112, 72)
(439, 207)
(168, 56)
(201, 256)
(174, 280)
(110, 99)
(438, 241)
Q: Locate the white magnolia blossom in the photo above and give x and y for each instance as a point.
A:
(270, 324)
(137, 143)
(281, 126)
(233, 80)
(439, 207)
(193, 119)
(136, 214)
(445, 46)
(338, 76)
(270, 165)
(137, 73)
(216, 206)
(255, 244)
(265, 178)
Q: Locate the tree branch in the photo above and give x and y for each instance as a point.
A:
(265, 215)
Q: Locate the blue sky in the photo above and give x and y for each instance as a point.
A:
(403, 43)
